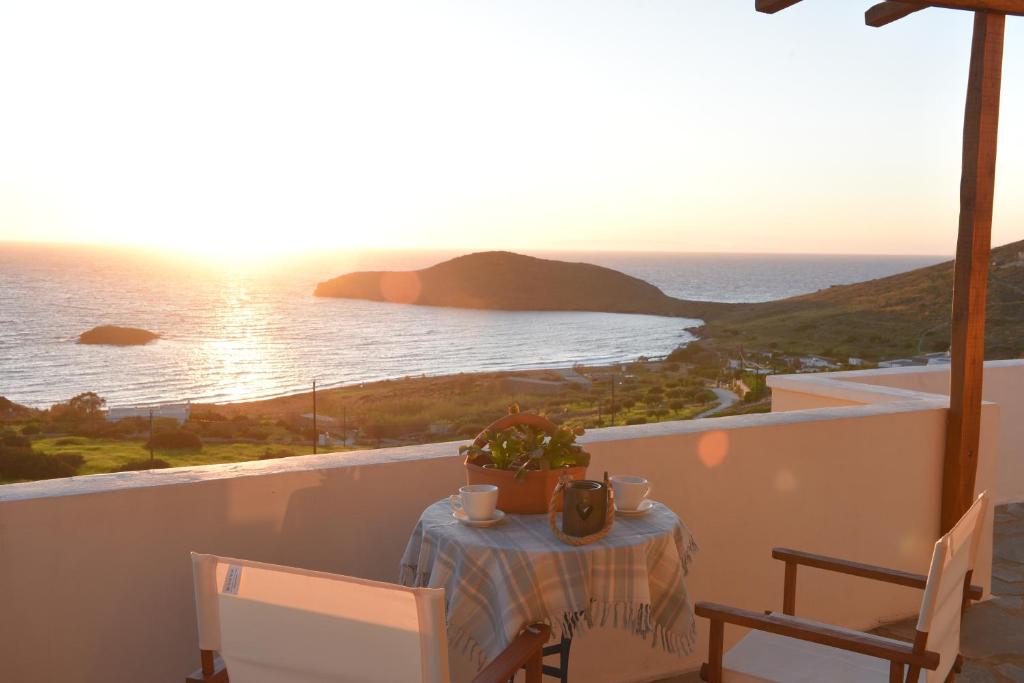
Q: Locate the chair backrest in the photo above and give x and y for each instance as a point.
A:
(952, 564)
(273, 623)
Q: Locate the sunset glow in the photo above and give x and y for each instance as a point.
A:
(249, 129)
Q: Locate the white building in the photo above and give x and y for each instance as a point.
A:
(173, 411)
(817, 363)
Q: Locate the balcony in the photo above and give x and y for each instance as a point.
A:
(96, 576)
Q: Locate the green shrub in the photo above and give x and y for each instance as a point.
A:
(69, 441)
(31, 429)
(14, 440)
(21, 462)
(143, 464)
(177, 440)
(74, 460)
(636, 421)
(273, 453)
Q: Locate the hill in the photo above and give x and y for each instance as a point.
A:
(898, 315)
(117, 336)
(501, 280)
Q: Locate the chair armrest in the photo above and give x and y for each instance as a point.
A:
(867, 571)
(823, 634)
(528, 645)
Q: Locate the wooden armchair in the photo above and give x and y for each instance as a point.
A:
(783, 647)
(270, 624)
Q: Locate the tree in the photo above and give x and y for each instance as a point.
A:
(87, 405)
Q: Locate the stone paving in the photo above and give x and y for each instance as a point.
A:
(992, 637)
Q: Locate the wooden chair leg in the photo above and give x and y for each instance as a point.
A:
(206, 658)
(208, 671)
(895, 672)
(789, 590)
(535, 668)
(716, 647)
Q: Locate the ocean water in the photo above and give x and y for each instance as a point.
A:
(233, 332)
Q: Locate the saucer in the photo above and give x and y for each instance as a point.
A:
(643, 509)
(461, 516)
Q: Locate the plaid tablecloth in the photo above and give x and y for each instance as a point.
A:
(499, 579)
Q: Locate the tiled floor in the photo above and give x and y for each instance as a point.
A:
(992, 640)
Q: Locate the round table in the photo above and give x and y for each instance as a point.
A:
(501, 578)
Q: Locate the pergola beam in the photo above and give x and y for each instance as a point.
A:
(970, 273)
(773, 6)
(888, 12)
(1015, 7)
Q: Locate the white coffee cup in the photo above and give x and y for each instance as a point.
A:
(630, 492)
(477, 501)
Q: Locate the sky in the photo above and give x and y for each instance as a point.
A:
(243, 128)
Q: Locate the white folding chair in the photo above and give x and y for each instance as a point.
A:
(271, 624)
(784, 648)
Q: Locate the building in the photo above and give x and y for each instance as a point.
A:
(179, 412)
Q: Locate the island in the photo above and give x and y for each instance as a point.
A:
(502, 280)
(117, 336)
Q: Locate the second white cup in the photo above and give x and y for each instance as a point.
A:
(630, 492)
(477, 501)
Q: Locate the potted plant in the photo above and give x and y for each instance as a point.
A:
(524, 455)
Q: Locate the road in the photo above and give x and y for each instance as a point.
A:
(725, 399)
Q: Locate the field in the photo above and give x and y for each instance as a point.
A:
(106, 455)
(381, 414)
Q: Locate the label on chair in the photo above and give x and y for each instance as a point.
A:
(231, 580)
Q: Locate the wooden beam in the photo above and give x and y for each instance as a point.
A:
(773, 6)
(888, 12)
(1015, 7)
(970, 278)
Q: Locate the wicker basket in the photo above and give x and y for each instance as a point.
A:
(530, 493)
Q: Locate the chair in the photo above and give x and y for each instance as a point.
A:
(783, 647)
(271, 624)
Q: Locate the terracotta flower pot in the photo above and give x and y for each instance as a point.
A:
(527, 495)
(530, 493)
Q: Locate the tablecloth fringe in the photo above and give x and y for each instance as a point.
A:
(460, 641)
(635, 618)
(632, 617)
(410, 577)
(686, 554)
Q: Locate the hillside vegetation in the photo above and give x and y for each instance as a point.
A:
(894, 316)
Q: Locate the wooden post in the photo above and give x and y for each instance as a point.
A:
(970, 282)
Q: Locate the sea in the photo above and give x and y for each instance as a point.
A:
(237, 330)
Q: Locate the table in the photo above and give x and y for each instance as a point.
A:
(499, 579)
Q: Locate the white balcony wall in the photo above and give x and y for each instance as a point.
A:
(95, 580)
(1003, 385)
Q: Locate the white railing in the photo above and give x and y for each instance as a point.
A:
(95, 580)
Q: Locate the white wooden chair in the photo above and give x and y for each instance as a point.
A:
(271, 624)
(785, 648)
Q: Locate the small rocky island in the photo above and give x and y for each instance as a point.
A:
(502, 280)
(117, 336)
